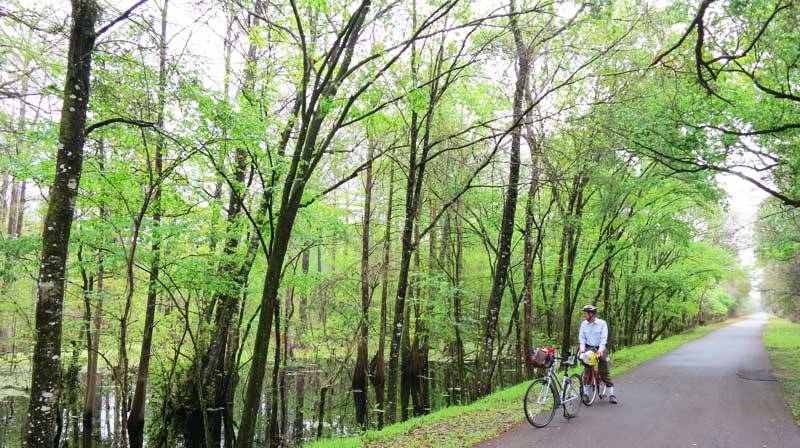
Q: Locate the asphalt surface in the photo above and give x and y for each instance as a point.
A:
(694, 396)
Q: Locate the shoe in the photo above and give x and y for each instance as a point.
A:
(585, 398)
(612, 399)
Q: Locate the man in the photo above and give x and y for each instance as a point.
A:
(594, 336)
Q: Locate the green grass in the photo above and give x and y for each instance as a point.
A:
(782, 340)
(487, 418)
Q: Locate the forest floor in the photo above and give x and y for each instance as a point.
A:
(782, 341)
(489, 417)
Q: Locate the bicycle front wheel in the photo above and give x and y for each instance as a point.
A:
(590, 386)
(572, 396)
(540, 403)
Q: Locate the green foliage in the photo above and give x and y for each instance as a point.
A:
(777, 237)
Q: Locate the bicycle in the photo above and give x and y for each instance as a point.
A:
(592, 381)
(549, 392)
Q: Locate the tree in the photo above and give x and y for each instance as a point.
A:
(509, 211)
(136, 416)
(43, 424)
(360, 373)
(741, 58)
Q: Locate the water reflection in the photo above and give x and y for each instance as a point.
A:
(338, 414)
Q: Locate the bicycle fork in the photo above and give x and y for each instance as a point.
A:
(545, 391)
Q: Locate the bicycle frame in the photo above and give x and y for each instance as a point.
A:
(560, 382)
(591, 378)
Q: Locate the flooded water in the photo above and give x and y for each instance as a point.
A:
(339, 416)
(10, 411)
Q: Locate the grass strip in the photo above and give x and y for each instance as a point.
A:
(782, 340)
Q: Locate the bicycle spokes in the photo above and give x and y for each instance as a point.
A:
(540, 403)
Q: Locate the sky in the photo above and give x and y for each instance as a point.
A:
(743, 201)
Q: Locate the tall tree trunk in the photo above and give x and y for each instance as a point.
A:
(300, 386)
(299, 415)
(450, 263)
(360, 373)
(20, 210)
(423, 330)
(16, 204)
(13, 208)
(402, 284)
(607, 279)
(415, 180)
(231, 380)
(91, 404)
(409, 356)
(136, 416)
(305, 263)
(93, 345)
(402, 281)
(530, 254)
(457, 280)
(413, 362)
(377, 364)
(121, 371)
(321, 295)
(507, 224)
(289, 311)
(88, 292)
(551, 302)
(405, 365)
(42, 428)
(274, 425)
(573, 237)
(3, 204)
(321, 416)
(283, 229)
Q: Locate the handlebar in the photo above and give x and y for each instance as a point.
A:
(562, 357)
(565, 360)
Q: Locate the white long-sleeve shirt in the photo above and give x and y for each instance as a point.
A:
(593, 333)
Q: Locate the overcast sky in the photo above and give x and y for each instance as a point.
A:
(744, 199)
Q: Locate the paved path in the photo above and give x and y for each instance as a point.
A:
(692, 397)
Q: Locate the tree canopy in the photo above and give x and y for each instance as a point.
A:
(251, 223)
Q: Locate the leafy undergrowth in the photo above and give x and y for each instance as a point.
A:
(782, 339)
(484, 419)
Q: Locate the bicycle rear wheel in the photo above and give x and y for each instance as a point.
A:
(572, 396)
(601, 389)
(540, 403)
(590, 385)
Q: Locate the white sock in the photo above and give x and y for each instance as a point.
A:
(610, 390)
(586, 390)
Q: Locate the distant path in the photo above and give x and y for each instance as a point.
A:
(694, 396)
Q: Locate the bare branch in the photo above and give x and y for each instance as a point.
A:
(100, 124)
(122, 17)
